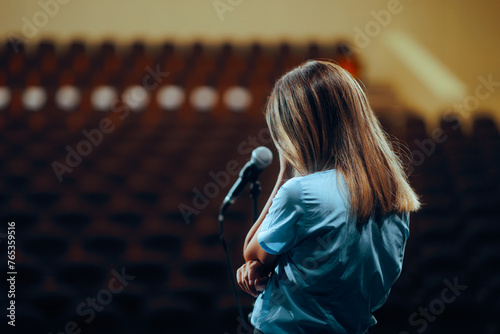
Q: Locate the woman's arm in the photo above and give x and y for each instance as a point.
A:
(251, 248)
(283, 173)
(264, 212)
(254, 274)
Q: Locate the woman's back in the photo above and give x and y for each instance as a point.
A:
(332, 272)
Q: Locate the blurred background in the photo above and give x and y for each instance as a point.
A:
(123, 125)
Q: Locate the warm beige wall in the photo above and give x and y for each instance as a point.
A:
(157, 20)
(462, 35)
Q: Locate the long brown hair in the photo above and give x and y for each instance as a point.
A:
(320, 119)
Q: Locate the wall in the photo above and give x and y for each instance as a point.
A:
(432, 52)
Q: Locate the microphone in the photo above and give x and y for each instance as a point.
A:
(261, 158)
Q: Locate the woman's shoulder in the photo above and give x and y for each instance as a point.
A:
(328, 178)
(321, 175)
(292, 187)
(317, 184)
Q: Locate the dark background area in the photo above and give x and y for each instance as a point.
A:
(119, 209)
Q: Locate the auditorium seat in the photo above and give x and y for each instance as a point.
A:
(73, 221)
(484, 128)
(314, 51)
(435, 205)
(54, 305)
(94, 189)
(175, 66)
(200, 298)
(414, 128)
(456, 319)
(131, 219)
(107, 245)
(24, 217)
(44, 198)
(4, 194)
(392, 317)
(16, 69)
(168, 244)
(489, 301)
(44, 191)
(232, 61)
(163, 314)
(84, 277)
(130, 305)
(435, 270)
(149, 274)
(483, 266)
(228, 318)
(207, 270)
(16, 173)
(106, 321)
(433, 227)
(48, 249)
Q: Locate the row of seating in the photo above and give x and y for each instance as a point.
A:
(168, 255)
(48, 66)
(120, 206)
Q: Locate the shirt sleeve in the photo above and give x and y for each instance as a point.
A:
(280, 231)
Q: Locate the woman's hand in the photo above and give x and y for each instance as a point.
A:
(252, 277)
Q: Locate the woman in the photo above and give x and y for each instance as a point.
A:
(329, 243)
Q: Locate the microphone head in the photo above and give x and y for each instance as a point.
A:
(261, 157)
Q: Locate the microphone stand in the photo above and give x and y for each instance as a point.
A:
(255, 190)
(231, 271)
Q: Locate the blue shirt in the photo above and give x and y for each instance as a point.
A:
(332, 273)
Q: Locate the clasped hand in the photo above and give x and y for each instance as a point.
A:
(252, 277)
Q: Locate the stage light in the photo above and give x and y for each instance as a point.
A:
(237, 98)
(103, 98)
(170, 97)
(204, 98)
(68, 97)
(34, 98)
(5, 97)
(136, 98)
